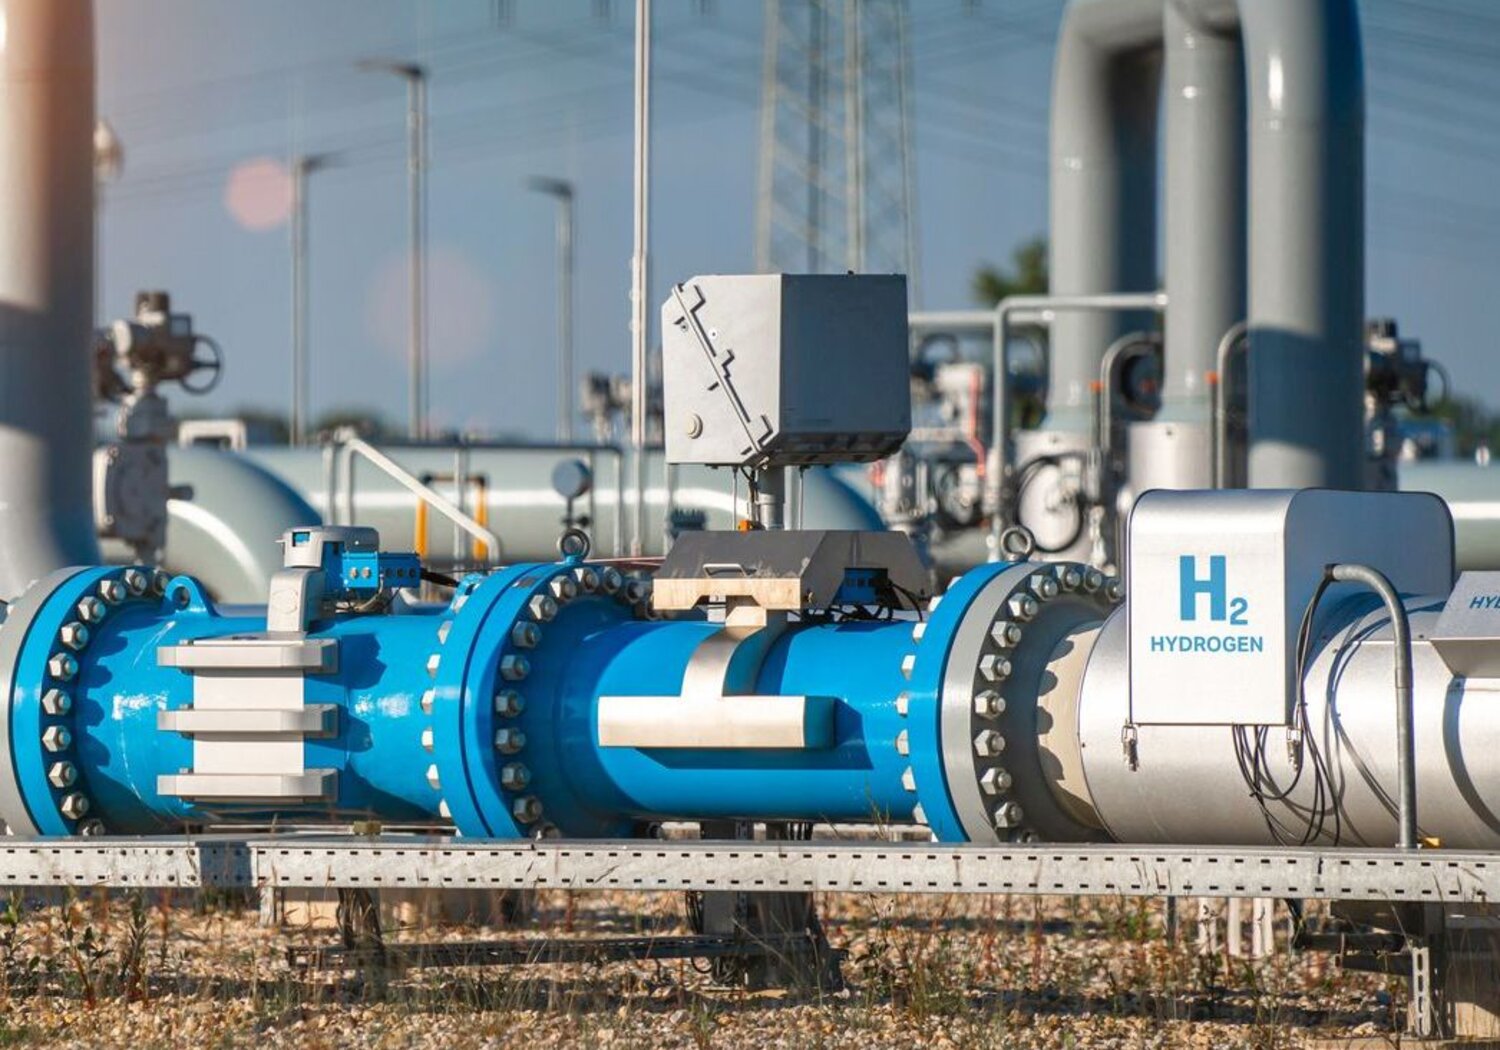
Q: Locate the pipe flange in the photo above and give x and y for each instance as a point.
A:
(44, 670)
(997, 659)
(495, 726)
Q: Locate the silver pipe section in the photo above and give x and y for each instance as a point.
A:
(1105, 93)
(1341, 777)
(1204, 203)
(1307, 259)
(46, 289)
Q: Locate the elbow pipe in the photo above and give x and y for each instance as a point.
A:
(1105, 90)
(1406, 756)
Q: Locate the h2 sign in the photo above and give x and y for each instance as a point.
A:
(1218, 581)
(1220, 605)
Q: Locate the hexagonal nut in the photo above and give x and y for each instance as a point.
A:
(57, 738)
(74, 635)
(90, 828)
(444, 629)
(508, 741)
(1007, 635)
(1009, 814)
(443, 810)
(1043, 586)
(426, 738)
(525, 634)
(434, 661)
(542, 607)
(610, 580)
(908, 665)
(994, 667)
(934, 602)
(1114, 590)
(637, 591)
(918, 630)
(74, 805)
(588, 579)
(514, 667)
(1093, 579)
(56, 702)
(527, 809)
(989, 704)
(62, 666)
(514, 776)
(994, 781)
(548, 830)
(159, 581)
(903, 743)
(1023, 607)
(90, 609)
(903, 704)
(1069, 577)
(908, 779)
(135, 581)
(988, 743)
(62, 775)
(434, 779)
(509, 703)
(429, 700)
(564, 588)
(112, 591)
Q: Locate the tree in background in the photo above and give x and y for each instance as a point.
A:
(1027, 274)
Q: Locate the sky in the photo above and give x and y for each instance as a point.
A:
(211, 100)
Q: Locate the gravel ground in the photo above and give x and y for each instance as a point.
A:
(941, 972)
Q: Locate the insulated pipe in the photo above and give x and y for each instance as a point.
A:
(1204, 205)
(1105, 92)
(1307, 272)
(46, 288)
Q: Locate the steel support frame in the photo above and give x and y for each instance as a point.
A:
(411, 862)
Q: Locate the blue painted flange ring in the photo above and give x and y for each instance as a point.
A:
(473, 605)
(52, 657)
(924, 693)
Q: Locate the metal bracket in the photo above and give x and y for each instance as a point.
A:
(315, 720)
(1130, 745)
(310, 786)
(252, 652)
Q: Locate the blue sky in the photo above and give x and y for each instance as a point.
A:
(200, 89)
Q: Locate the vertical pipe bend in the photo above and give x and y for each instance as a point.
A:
(1105, 90)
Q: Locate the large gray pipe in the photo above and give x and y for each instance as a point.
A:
(1204, 252)
(1204, 203)
(1105, 90)
(46, 288)
(1307, 259)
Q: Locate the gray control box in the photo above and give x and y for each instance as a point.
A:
(771, 370)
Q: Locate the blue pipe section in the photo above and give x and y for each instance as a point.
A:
(482, 711)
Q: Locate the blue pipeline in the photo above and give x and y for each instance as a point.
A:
(422, 692)
(857, 778)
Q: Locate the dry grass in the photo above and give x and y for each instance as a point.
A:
(958, 971)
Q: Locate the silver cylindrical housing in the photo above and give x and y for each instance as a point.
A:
(46, 288)
(1189, 783)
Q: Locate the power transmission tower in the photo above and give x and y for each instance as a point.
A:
(836, 186)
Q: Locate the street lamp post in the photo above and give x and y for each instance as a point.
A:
(302, 166)
(416, 128)
(562, 191)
